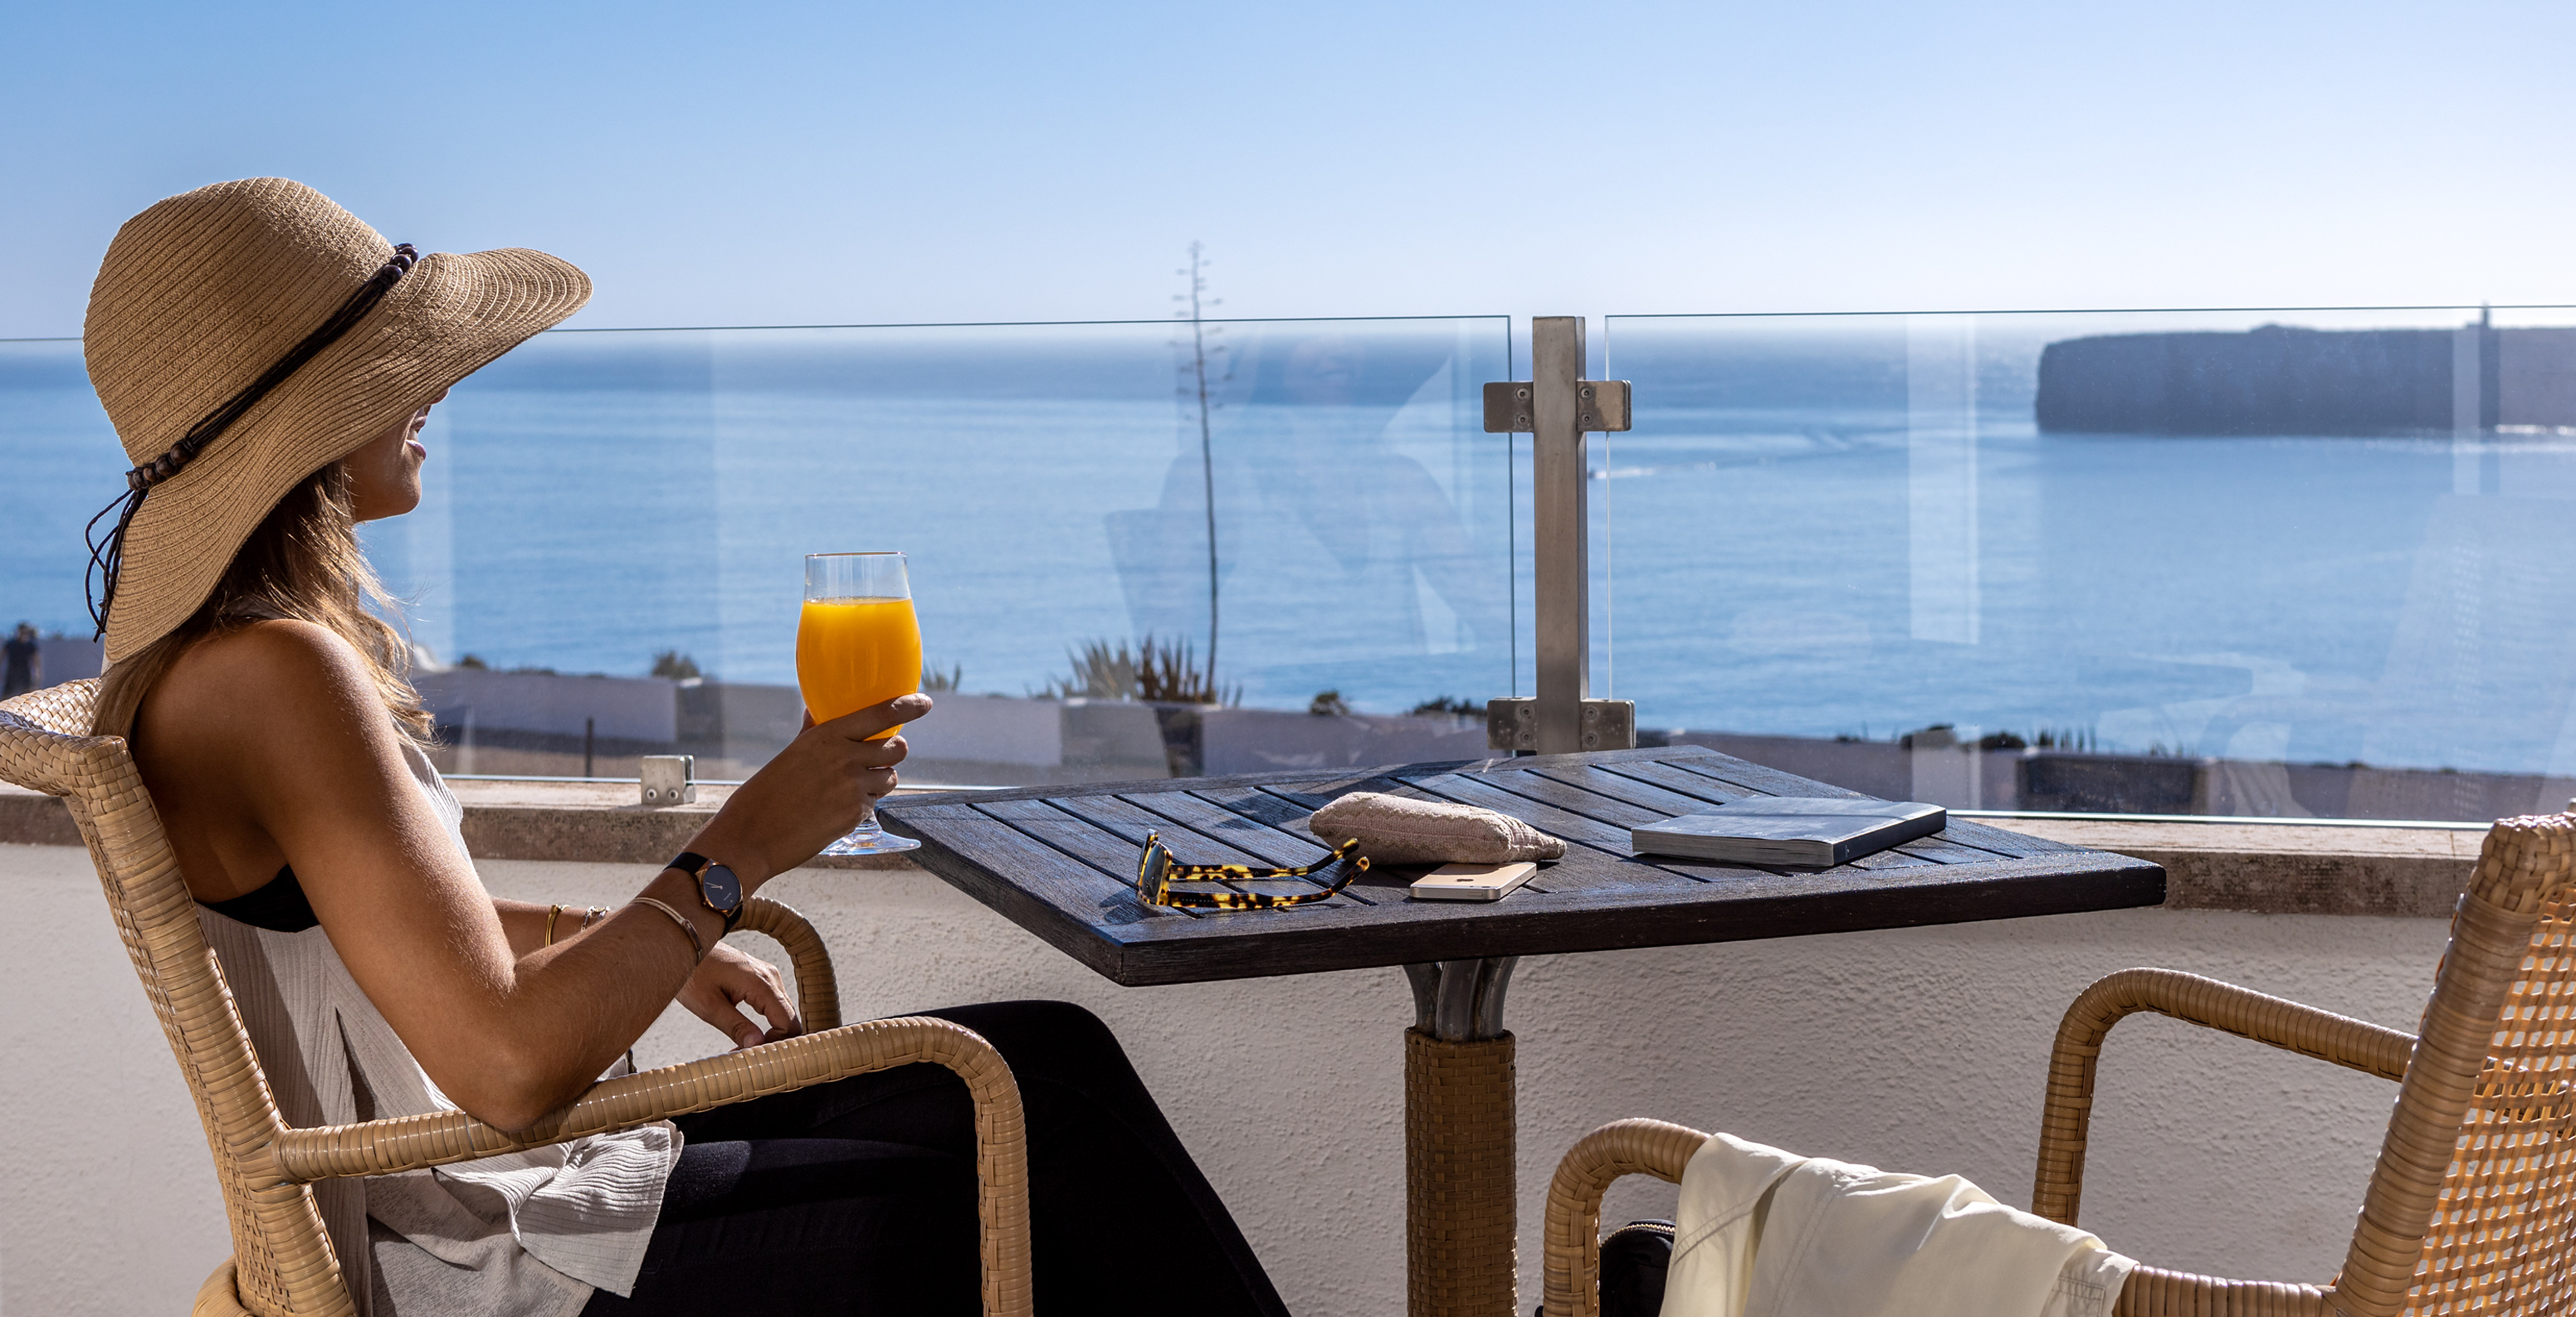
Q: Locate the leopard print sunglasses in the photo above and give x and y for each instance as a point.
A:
(1156, 871)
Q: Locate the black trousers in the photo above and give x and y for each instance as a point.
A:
(859, 1196)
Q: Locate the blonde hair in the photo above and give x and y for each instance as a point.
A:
(301, 562)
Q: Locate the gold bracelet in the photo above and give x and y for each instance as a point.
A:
(551, 913)
(697, 940)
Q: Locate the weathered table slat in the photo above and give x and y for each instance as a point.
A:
(1105, 852)
(1634, 790)
(1268, 808)
(1131, 824)
(1041, 894)
(1547, 816)
(1248, 832)
(1314, 795)
(1599, 806)
(1058, 861)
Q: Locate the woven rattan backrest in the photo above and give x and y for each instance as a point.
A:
(2468, 1209)
(284, 1259)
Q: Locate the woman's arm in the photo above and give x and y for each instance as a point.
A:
(272, 742)
(729, 978)
(524, 923)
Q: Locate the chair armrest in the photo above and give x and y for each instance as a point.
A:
(2155, 1292)
(406, 1143)
(1622, 1147)
(818, 996)
(2066, 1120)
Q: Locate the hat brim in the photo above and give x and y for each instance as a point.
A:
(450, 316)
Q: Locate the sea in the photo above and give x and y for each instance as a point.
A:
(1818, 526)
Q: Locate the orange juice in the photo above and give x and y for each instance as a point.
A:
(851, 653)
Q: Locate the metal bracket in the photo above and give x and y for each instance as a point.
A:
(1459, 1001)
(1512, 724)
(667, 780)
(1511, 406)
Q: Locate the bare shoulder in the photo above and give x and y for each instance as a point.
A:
(266, 680)
(262, 745)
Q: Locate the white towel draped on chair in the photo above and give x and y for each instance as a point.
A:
(1766, 1233)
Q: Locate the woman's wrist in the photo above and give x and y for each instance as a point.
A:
(750, 867)
(677, 890)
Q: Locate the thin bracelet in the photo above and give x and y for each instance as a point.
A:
(592, 916)
(697, 940)
(552, 913)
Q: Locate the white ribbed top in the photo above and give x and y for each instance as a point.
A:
(528, 1233)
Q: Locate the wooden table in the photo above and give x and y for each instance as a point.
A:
(1061, 862)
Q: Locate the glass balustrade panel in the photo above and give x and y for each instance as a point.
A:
(607, 558)
(2271, 563)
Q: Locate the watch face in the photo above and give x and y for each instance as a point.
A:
(720, 889)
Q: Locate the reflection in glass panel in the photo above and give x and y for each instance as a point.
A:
(59, 464)
(638, 504)
(2242, 563)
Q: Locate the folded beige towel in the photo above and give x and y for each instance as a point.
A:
(1395, 830)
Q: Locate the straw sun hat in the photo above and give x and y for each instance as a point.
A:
(243, 336)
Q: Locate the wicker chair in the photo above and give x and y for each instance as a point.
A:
(2469, 1209)
(282, 1261)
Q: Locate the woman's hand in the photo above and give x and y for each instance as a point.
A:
(808, 794)
(728, 979)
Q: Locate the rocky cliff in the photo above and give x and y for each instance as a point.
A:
(2284, 380)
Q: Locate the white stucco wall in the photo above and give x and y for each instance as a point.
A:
(1920, 1049)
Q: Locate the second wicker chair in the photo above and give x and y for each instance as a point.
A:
(2472, 1207)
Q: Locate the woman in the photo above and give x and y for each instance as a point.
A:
(269, 361)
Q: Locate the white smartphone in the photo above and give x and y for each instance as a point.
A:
(1473, 882)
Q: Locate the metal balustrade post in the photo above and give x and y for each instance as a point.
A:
(1556, 408)
(1559, 500)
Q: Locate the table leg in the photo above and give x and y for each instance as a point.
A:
(1461, 1195)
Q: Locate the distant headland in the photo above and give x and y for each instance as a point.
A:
(2283, 380)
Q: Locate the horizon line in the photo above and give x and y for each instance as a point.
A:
(1605, 317)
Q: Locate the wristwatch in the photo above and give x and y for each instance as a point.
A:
(718, 889)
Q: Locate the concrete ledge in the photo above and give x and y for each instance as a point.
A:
(2263, 868)
(2286, 868)
(35, 819)
(590, 821)
(597, 821)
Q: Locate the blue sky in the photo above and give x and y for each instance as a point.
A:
(802, 163)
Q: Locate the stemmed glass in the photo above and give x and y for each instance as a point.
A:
(857, 644)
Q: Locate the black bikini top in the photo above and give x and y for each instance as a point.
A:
(277, 905)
